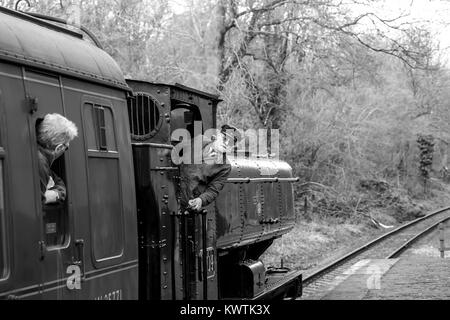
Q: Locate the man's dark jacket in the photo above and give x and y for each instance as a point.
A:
(45, 162)
(203, 181)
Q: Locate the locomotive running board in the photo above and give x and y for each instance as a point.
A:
(286, 286)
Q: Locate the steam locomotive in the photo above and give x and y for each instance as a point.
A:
(121, 233)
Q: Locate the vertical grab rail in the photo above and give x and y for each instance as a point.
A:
(185, 259)
(172, 253)
(442, 247)
(205, 255)
(185, 246)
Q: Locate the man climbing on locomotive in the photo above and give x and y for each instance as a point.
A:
(54, 134)
(201, 183)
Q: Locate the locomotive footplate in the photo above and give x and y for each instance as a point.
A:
(281, 286)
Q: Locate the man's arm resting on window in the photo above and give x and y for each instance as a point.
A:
(59, 187)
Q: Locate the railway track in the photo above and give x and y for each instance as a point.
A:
(388, 246)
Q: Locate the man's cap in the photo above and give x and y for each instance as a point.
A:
(231, 132)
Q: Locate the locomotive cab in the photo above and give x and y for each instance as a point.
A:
(252, 210)
(169, 242)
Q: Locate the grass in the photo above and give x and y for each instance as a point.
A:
(312, 243)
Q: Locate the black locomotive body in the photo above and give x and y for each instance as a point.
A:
(252, 210)
(121, 234)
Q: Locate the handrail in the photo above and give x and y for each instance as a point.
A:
(59, 20)
(248, 180)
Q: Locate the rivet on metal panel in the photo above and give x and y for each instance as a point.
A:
(165, 287)
(162, 172)
(164, 259)
(163, 105)
(158, 92)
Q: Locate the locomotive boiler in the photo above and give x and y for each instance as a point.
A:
(121, 233)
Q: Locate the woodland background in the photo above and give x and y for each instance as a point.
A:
(361, 100)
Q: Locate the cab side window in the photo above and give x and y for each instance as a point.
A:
(99, 127)
(56, 221)
(44, 90)
(183, 116)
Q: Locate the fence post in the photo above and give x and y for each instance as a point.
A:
(441, 240)
(306, 206)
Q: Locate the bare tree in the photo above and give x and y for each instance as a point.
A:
(274, 33)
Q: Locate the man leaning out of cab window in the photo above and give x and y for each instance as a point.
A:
(201, 183)
(54, 134)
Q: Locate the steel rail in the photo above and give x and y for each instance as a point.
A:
(405, 246)
(310, 278)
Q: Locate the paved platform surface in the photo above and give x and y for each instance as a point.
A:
(415, 278)
(358, 280)
(419, 274)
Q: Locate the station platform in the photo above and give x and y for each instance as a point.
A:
(420, 275)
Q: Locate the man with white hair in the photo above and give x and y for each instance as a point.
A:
(54, 134)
